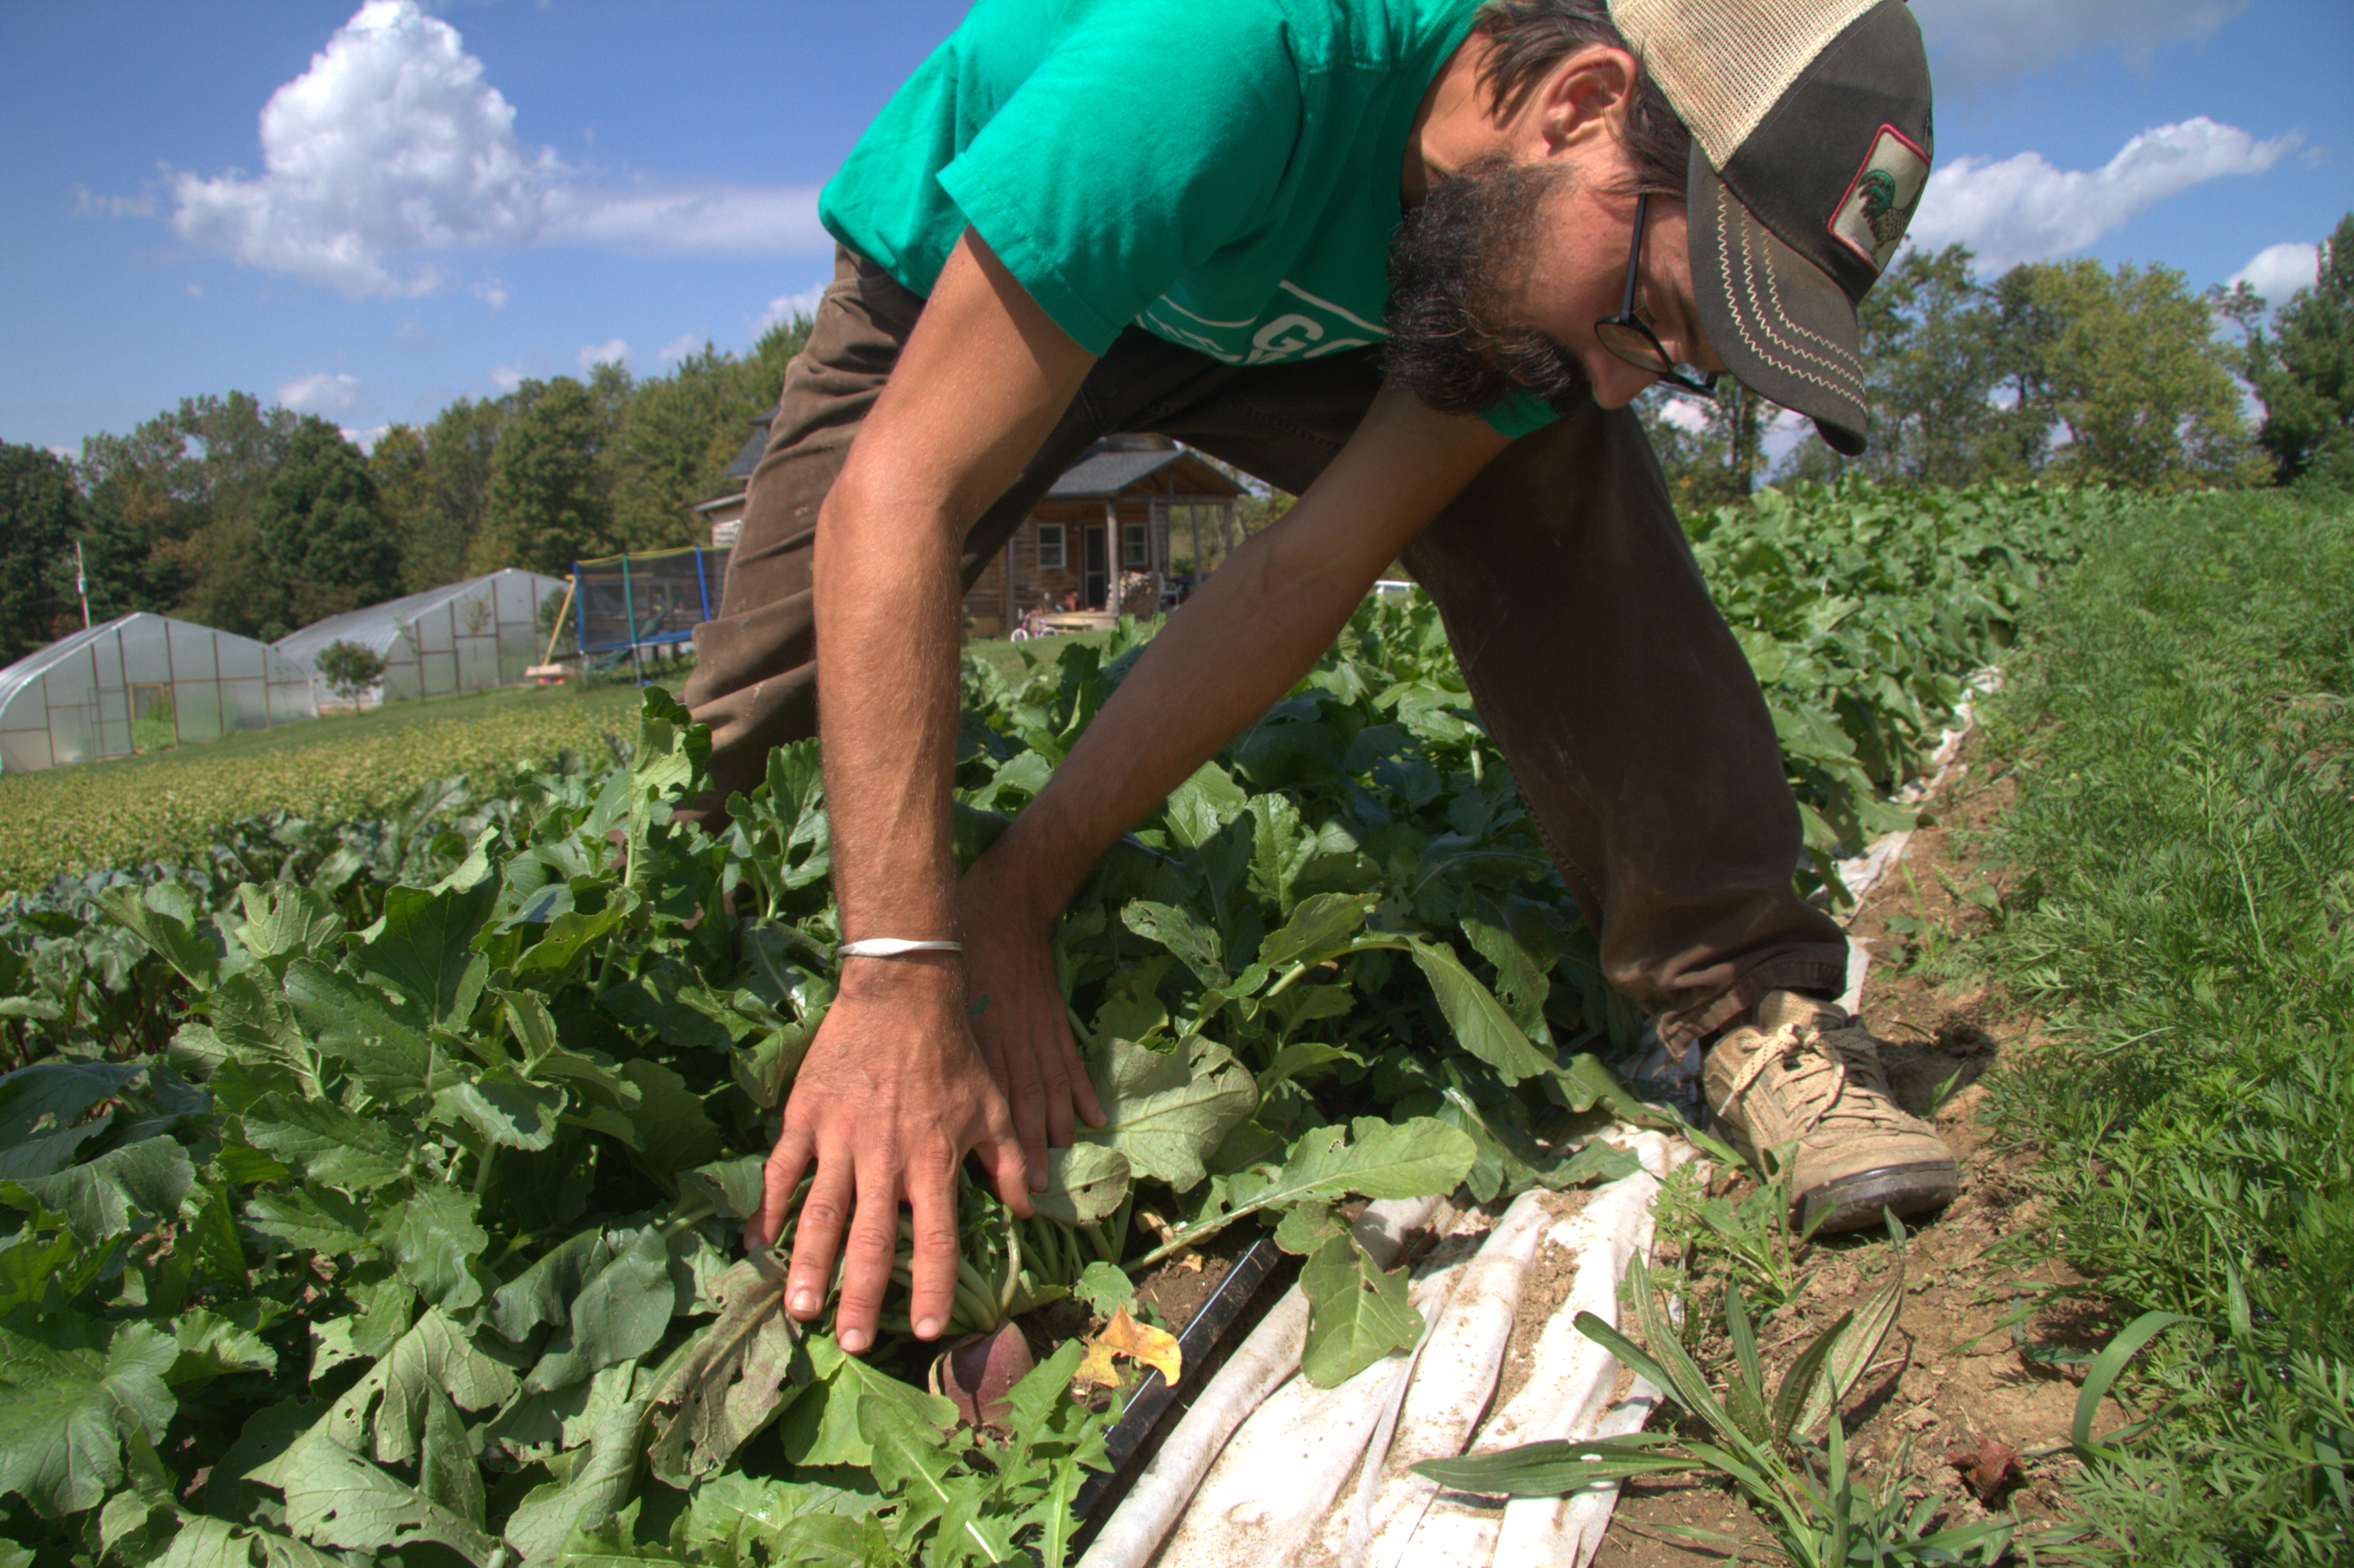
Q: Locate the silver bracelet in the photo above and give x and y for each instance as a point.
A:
(892, 947)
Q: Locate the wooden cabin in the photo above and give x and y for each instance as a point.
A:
(1099, 539)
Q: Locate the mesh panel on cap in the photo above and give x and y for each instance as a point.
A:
(1723, 63)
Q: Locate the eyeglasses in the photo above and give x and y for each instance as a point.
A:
(1626, 336)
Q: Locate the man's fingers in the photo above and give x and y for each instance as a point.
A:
(1083, 1088)
(1000, 1152)
(1055, 1078)
(1025, 1095)
(824, 1213)
(778, 1177)
(932, 1295)
(867, 1264)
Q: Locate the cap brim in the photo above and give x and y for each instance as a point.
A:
(1780, 323)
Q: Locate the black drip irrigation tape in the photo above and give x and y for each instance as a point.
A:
(1136, 1437)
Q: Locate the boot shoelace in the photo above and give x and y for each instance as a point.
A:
(1846, 1051)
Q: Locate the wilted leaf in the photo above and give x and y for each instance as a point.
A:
(1140, 1342)
(732, 1383)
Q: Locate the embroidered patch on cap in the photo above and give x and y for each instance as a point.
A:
(1880, 200)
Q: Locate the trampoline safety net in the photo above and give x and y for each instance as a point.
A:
(637, 602)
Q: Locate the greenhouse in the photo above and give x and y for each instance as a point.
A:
(465, 637)
(142, 683)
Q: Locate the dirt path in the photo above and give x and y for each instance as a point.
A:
(1956, 1385)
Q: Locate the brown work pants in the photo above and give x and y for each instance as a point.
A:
(1629, 716)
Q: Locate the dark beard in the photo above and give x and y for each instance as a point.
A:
(1451, 263)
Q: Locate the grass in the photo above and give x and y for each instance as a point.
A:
(165, 804)
(2183, 841)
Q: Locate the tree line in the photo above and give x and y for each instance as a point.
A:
(2066, 370)
(257, 520)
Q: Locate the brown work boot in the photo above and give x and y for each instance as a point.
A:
(1803, 1072)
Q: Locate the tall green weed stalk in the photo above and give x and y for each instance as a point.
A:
(2182, 847)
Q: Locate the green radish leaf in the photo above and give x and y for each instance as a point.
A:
(447, 1473)
(1318, 927)
(335, 1498)
(63, 1413)
(1173, 928)
(42, 1107)
(620, 1313)
(1084, 1183)
(432, 1239)
(1385, 1159)
(423, 948)
(1356, 1313)
(164, 915)
(1480, 1024)
(1168, 1110)
(99, 1200)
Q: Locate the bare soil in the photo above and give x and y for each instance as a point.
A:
(1956, 1401)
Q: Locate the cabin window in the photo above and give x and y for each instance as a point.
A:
(1050, 547)
(1133, 549)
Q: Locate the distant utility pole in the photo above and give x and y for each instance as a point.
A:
(81, 584)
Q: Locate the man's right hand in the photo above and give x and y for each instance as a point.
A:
(893, 1094)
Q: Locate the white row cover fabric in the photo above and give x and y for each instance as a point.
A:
(142, 683)
(465, 637)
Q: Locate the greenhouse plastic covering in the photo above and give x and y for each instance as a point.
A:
(465, 637)
(636, 601)
(142, 683)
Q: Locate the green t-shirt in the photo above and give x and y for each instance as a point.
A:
(1220, 173)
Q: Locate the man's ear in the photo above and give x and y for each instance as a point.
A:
(1584, 98)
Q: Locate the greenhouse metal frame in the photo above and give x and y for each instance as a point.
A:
(142, 683)
(467, 636)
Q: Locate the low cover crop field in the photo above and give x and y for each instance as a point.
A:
(370, 1188)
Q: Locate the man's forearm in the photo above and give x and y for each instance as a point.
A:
(885, 603)
(1254, 628)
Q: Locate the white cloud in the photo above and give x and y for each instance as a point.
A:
(612, 350)
(2277, 272)
(328, 392)
(506, 377)
(364, 439)
(492, 293)
(392, 147)
(785, 307)
(679, 347)
(2022, 209)
(89, 204)
(196, 290)
(1978, 44)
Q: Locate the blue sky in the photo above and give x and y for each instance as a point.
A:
(556, 183)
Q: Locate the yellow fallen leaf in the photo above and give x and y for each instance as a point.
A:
(1139, 1342)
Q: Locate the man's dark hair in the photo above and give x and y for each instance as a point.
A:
(1532, 37)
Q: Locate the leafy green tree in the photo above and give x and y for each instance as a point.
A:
(1722, 460)
(238, 444)
(2129, 367)
(350, 669)
(145, 499)
(663, 459)
(436, 485)
(2304, 371)
(324, 528)
(40, 513)
(549, 501)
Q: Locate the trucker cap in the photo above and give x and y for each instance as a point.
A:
(1812, 142)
